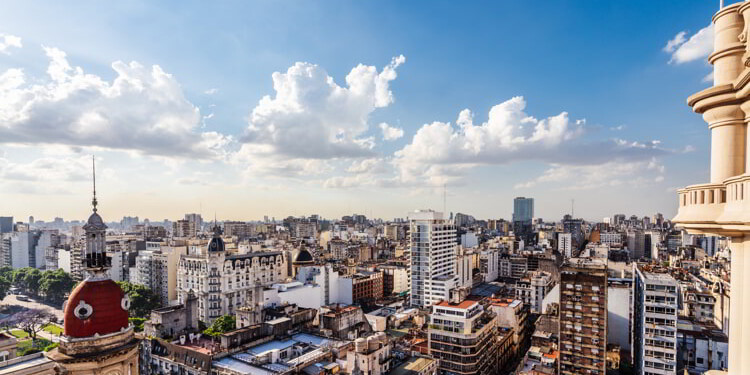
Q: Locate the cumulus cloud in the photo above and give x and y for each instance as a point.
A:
(312, 117)
(8, 41)
(142, 109)
(698, 46)
(390, 133)
(675, 42)
(442, 153)
(49, 169)
(613, 173)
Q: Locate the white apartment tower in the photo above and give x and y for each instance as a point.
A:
(565, 244)
(432, 243)
(654, 333)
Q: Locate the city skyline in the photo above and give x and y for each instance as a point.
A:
(395, 129)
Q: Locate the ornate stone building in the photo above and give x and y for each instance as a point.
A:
(721, 206)
(224, 282)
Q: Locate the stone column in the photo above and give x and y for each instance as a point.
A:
(728, 48)
(743, 265)
(726, 121)
(728, 133)
(737, 311)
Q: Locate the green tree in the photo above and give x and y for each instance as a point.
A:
(142, 299)
(27, 279)
(137, 323)
(4, 287)
(55, 285)
(7, 273)
(221, 325)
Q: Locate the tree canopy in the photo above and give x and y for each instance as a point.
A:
(27, 279)
(142, 299)
(221, 325)
(55, 285)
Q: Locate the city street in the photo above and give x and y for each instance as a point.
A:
(12, 300)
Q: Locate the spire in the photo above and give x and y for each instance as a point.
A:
(93, 168)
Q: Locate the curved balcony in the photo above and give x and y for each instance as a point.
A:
(720, 209)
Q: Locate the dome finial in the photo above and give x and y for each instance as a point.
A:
(93, 168)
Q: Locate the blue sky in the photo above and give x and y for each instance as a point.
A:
(193, 133)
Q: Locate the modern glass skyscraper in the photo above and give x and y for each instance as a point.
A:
(523, 213)
(6, 224)
(523, 209)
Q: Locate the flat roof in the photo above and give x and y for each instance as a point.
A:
(656, 276)
(263, 349)
(465, 304)
(241, 367)
(37, 360)
(505, 302)
(413, 365)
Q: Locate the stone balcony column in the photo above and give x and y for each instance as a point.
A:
(724, 116)
(729, 27)
(728, 143)
(739, 322)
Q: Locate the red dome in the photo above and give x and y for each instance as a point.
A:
(94, 307)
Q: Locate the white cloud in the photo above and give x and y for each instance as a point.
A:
(612, 173)
(142, 109)
(675, 42)
(700, 45)
(50, 169)
(211, 91)
(509, 133)
(709, 77)
(390, 133)
(370, 166)
(441, 153)
(312, 117)
(8, 41)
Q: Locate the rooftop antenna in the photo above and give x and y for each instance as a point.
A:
(93, 168)
(721, 4)
(572, 208)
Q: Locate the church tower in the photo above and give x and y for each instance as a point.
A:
(97, 336)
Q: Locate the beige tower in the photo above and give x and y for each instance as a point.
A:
(720, 207)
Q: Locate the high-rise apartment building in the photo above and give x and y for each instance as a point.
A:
(184, 228)
(196, 220)
(157, 270)
(575, 228)
(565, 244)
(432, 245)
(636, 244)
(523, 213)
(719, 206)
(533, 287)
(654, 335)
(583, 317)
(461, 336)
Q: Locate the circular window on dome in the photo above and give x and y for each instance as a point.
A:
(83, 310)
(125, 303)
